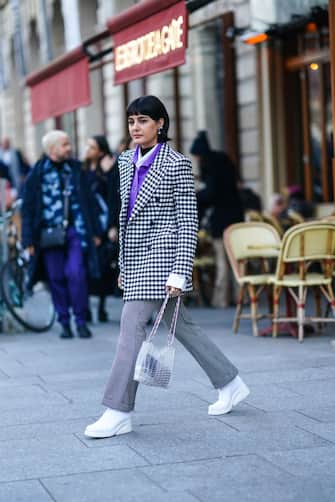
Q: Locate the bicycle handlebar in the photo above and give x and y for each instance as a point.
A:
(13, 209)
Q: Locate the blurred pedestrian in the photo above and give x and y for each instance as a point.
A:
(297, 202)
(250, 199)
(6, 187)
(101, 171)
(221, 197)
(124, 144)
(158, 237)
(278, 206)
(56, 199)
(4, 173)
(16, 163)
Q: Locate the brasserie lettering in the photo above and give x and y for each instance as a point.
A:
(151, 45)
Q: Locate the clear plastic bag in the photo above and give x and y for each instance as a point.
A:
(154, 365)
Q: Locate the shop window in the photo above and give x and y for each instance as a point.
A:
(308, 112)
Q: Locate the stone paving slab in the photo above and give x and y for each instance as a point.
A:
(35, 458)
(278, 443)
(160, 444)
(24, 491)
(322, 414)
(116, 486)
(74, 384)
(318, 462)
(44, 430)
(80, 377)
(282, 490)
(278, 399)
(47, 413)
(21, 397)
(321, 388)
(326, 431)
(291, 376)
(253, 419)
(167, 400)
(210, 473)
(242, 478)
(11, 383)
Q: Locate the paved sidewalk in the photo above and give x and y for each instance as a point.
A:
(279, 445)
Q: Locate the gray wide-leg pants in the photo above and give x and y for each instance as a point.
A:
(121, 388)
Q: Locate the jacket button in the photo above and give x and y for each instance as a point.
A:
(157, 199)
(152, 223)
(149, 247)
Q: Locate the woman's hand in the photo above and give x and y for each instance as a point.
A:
(30, 250)
(97, 241)
(173, 291)
(107, 163)
(119, 281)
(113, 234)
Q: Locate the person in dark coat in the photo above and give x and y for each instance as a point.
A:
(9, 193)
(250, 200)
(220, 196)
(4, 172)
(298, 203)
(17, 165)
(102, 174)
(65, 268)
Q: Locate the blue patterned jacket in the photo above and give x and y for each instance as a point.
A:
(33, 216)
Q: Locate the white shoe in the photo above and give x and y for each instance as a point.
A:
(111, 423)
(230, 395)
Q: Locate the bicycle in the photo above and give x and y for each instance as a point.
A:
(31, 307)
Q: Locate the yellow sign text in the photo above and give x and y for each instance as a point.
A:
(151, 45)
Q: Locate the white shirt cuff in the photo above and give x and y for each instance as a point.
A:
(176, 281)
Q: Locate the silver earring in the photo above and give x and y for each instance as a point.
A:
(159, 131)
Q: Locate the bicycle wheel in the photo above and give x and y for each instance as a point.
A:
(32, 308)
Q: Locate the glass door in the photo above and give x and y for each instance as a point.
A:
(316, 131)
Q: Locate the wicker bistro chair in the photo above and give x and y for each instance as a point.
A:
(252, 215)
(302, 246)
(247, 244)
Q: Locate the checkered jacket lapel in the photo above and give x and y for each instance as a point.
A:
(152, 179)
(126, 181)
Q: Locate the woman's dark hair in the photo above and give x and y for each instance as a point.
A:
(154, 108)
(104, 148)
(103, 145)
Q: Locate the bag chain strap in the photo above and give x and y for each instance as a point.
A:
(160, 317)
(174, 322)
(66, 202)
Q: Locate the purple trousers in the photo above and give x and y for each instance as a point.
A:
(66, 273)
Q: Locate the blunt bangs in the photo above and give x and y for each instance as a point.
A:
(153, 108)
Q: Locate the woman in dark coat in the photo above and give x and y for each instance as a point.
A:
(102, 176)
(221, 196)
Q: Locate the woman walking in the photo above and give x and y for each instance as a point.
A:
(102, 175)
(158, 236)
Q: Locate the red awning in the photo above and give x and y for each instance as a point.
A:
(137, 13)
(61, 87)
(149, 37)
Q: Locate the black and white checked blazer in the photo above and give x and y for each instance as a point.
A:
(161, 235)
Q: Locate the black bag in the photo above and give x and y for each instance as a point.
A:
(55, 237)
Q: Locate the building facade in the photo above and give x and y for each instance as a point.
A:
(295, 98)
(263, 103)
(50, 28)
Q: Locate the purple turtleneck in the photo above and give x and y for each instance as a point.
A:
(141, 168)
